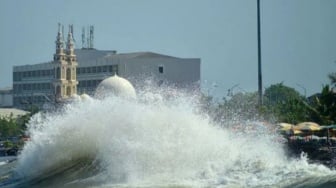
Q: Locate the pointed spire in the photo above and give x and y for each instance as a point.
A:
(59, 44)
(59, 39)
(70, 40)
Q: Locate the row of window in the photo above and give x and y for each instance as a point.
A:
(17, 76)
(31, 87)
(57, 57)
(28, 100)
(67, 90)
(98, 69)
(69, 75)
(47, 86)
(88, 83)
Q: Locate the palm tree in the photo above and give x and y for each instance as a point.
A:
(332, 77)
(324, 107)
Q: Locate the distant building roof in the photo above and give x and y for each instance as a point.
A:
(6, 112)
(85, 57)
(144, 55)
(88, 55)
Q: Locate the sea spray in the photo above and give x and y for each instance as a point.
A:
(158, 140)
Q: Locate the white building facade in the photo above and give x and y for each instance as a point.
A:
(80, 71)
(96, 65)
(6, 97)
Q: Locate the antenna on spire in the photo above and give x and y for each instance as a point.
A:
(62, 32)
(59, 27)
(83, 37)
(91, 36)
(88, 38)
(71, 31)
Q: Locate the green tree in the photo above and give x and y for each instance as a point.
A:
(332, 77)
(323, 106)
(285, 104)
(8, 126)
(240, 106)
(279, 93)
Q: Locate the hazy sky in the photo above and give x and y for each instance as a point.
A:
(298, 36)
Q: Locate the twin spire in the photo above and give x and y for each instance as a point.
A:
(60, 43)
(65, 65)
(60, 39)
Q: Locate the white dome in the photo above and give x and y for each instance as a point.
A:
(115, 85)
(85, 97)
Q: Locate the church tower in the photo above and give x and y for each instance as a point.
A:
(71, 73)
(65, 82)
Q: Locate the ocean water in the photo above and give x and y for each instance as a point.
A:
(153, 141)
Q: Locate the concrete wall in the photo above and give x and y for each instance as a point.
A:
(179, 72)
(31, 89)
(6, 99)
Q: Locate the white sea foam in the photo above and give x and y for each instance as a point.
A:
(160, 141)
(3, 163)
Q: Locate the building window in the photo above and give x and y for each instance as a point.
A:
(58, 73)
(83, 83)
(68, 74)
(64, 91)
(63, 73)
(69, 91)
(73, 76)
(161, 69)
(104, 69)
(15, 76)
